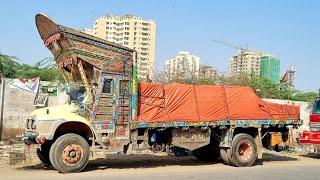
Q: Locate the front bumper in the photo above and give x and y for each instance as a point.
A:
(30, 137)
(308, 137)
(310, 141)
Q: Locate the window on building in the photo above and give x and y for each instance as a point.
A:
(145, 29)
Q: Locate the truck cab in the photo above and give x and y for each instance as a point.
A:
(105, 73)
(311, 139)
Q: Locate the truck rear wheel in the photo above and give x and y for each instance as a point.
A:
(69, 153)
(243, 150)
(225, 154)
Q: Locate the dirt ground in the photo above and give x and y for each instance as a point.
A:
(164, 167)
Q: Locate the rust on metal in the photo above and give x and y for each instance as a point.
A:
(72, 154)
(245, 151)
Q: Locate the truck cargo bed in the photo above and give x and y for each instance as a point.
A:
(161, 103)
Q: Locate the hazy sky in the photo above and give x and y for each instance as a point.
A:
(288, 29)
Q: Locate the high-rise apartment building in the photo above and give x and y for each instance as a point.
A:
(246, 62)
(184, 65)
(133, 32)
(88, 31)
(207, 72)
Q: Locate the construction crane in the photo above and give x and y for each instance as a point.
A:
(241, 51)
(230, 45)
(47, 62)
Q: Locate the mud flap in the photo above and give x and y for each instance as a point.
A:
(258, 141)
(227, 137)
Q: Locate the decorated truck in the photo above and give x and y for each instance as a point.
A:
(109, 111)
(311, 139)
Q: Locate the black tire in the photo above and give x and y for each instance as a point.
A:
(77, 150)
(43, 153)
(179, 152)
(243, 150)
(207, 153)
(225, 154)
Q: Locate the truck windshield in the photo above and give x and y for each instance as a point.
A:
(317, 106)
(76, 93)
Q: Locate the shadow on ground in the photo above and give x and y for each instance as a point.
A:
(311, 155)
(150, 161)
(278, 157)
(143, 161)
(130, 161)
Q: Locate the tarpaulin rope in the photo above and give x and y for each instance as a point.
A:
(196, 101)
(164, 101)
(224, 94)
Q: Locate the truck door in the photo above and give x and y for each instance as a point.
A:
(112, 110)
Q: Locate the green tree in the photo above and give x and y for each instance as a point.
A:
(11, 68)
(8, 66)
(304, 96)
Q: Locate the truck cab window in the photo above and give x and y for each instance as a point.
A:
(107, 84)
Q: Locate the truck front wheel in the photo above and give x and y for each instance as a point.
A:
(69, 153)
(243, 150)
(43, 153)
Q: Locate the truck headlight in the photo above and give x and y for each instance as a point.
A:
(33, 124)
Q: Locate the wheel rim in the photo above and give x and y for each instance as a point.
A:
(72, 154)
(245, 151)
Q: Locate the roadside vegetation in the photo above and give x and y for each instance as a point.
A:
(10, 67)
(263, 87)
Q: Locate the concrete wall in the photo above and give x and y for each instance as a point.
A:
(18, 104)
(305, 111)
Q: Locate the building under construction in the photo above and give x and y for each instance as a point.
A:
(246, 62)
(255, 63)
(270, 68)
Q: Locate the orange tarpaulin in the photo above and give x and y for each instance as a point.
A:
(194, 103)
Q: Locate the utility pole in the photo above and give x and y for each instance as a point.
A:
(2, 106)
